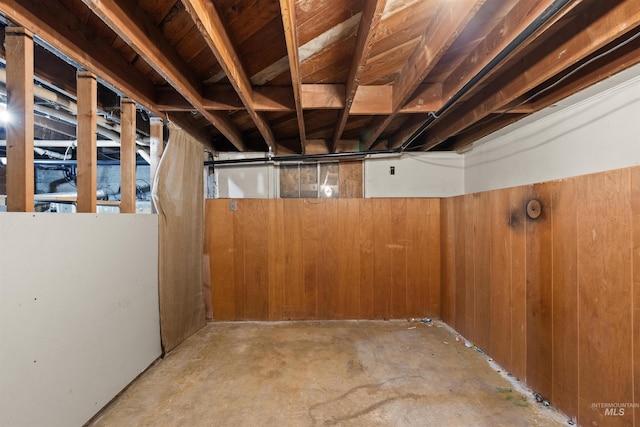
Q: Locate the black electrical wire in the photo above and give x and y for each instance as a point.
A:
(531, 29)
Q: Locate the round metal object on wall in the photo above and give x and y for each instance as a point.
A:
(534, 209)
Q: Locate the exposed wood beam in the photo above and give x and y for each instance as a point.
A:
(448, 24)
(522, 14)
(597, 25)
(127, 156)
(211, 27)
(461, 141)
(368, 99)
(369, 20)
(87, 149)
(288, 12)
(626, 57)
(55, 24)
(142, 35)
(20, 129)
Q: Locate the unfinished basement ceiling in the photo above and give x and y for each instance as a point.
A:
(320, 76)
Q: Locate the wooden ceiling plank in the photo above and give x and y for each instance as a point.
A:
(600, 24)
(369, 20)
(288, 11)
(141, 33)
(434, 42)
(211, 27)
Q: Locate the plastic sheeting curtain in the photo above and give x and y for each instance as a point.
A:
(178, 197)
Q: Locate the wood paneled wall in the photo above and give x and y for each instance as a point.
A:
(555, 300)
(278, 259)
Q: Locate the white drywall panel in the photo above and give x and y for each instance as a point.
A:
(78, 313)
(415, 175)
(598, 133)
(245, 180)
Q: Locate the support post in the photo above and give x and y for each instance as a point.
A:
(87, 151)
(20, 127)
(127, 156)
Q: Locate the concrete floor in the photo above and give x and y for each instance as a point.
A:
(346, 373)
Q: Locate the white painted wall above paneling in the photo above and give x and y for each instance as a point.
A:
(595, 130)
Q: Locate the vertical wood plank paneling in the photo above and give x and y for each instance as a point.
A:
(219, 236)
(539, 276)
(276, 250)
(310, 259)
(328, 272)
(460, 263)
(240, 220)
(417, 226)
(365, 228)
(433, 256)
(635, 218)
(447, 262)
(604, 296)
(350, 176)
(500, 278)
(256, 260)
(348, 259)
(294, 261)
(398, 252)
(482, 299)
(382, 241)
(517, 221)
(468, 222)
(565, 296)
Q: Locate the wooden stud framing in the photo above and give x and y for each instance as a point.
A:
(87, 144)
(147, 40)
(20, 129)
(128, 156)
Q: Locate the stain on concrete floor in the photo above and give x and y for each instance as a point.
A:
(336, 373)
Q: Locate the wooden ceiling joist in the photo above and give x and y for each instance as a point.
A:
(141, 34)
(62, 30)
(368, 100)
(447, 25)
(369, 21)
(212, 28)
(595, 27)
(288, 11)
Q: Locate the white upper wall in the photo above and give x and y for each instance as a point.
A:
(416, 175)
(595, 130)
(245, 180)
